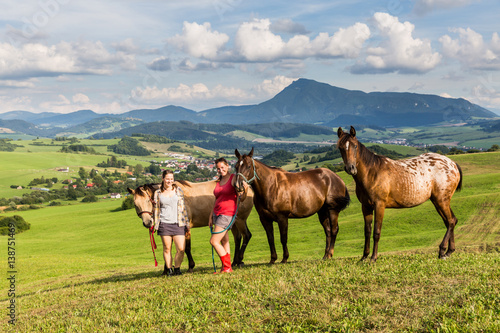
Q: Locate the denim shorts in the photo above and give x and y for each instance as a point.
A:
(222, 221)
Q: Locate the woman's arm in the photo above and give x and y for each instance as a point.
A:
(210, 219)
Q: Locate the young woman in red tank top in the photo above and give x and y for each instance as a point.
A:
(226, 198)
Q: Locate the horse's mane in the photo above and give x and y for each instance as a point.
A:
(271, 167)
(370, 158)
(141, 190)
(184, 182)
(154, 186)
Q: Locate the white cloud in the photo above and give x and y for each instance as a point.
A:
(200, 94)
(425, 6)
(10, 103)
(269, 88)
(79, 101)
(446, 95)
(183, 93)
(199, 40)
(256, 42)
(471, 49)
(398, 51)
(38, 60)
(485, 96)
(18, 83)
(80, 98)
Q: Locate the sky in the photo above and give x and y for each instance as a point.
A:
(116, 56)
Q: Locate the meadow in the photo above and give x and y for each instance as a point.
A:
(89, 267)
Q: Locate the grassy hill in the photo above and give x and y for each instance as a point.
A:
(94, 261)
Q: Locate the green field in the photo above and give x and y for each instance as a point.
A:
(468, 135)
(89, 267)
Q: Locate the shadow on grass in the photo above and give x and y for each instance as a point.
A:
(117, 277)
(130, 277)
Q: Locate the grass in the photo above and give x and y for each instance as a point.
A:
(469, 135)
(94, 261)
(409, 292)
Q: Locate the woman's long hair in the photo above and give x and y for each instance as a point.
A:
(217, 161)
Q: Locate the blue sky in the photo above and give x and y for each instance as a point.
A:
(115, 56)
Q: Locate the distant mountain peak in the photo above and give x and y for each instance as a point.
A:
(303, 101)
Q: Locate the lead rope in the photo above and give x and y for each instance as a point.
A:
(153, 243)
(219, 232)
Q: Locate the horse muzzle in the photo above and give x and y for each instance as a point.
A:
(147, 221)
(350, 169)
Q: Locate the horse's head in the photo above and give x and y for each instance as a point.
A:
(143, 201)
(348, 146)
(245, 169)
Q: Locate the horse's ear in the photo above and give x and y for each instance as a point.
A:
(237, 154)
(352, 132)
(340, 132)
(131, 191)
(250, 154)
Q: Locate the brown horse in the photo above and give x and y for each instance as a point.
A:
(200, 201)
(280, 195)
(384, 183)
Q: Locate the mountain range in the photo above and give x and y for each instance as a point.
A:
(303, 102)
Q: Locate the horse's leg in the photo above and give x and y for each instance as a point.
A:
(243, 229)
(449, 219)
(237, 244)
(334, 229)
(283, 226)
(379, 216)
(368, 217)
(451, 243)
(187, 251)
(325, 222)
(268, 227)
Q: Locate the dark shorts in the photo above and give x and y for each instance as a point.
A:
(170, 229)
(222, 221)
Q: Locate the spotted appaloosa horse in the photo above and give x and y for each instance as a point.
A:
(384, 183)
(279, 195)
(200, 201)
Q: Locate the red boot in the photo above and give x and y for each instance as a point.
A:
(226, 263)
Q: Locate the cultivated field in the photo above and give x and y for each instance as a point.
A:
(89, 267)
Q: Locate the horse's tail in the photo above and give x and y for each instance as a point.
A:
(343, 202)
(459, 187)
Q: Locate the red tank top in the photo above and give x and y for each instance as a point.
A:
(225, 198)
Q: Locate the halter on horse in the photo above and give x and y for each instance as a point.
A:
(280, 195)
(385, 183)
